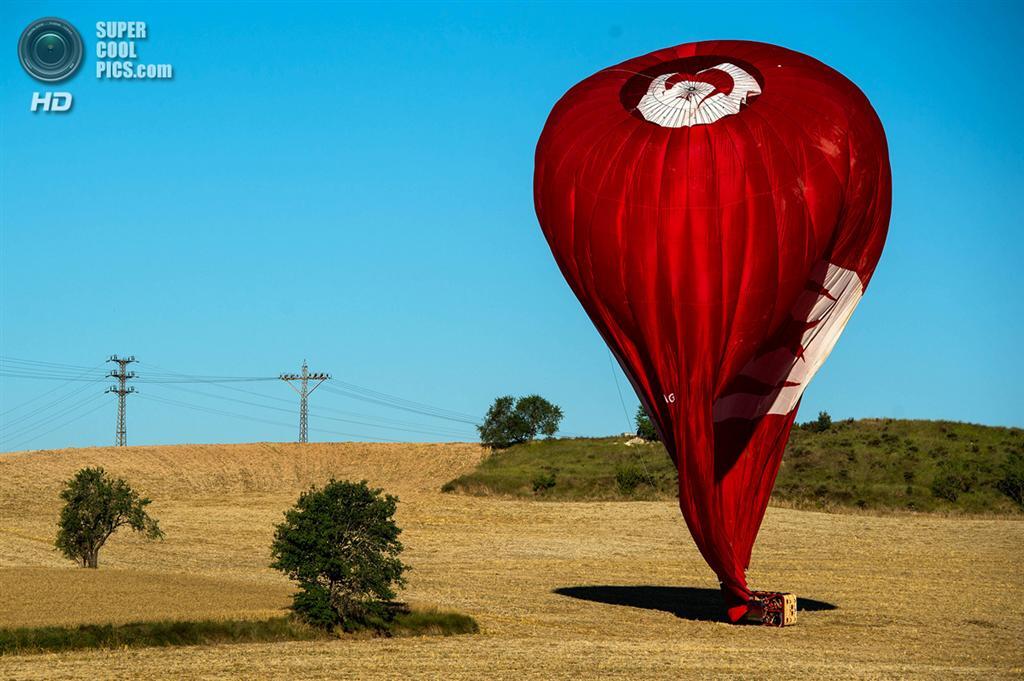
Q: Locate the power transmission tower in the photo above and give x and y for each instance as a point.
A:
(304, 391)
(122, 390)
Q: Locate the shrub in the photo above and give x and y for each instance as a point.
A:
(952, 480)
(96, 506)
(511, 421)
(340, 543)
(628, 478)
(821, 424)
(542, 482)
(645, 426)
(1012, 482)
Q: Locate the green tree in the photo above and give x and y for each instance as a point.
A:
(820, 425)
(1012, 482)
(542, 416)
(954, 478)
(645, 426)
(340, 543)
(511, 421)
(97, 505)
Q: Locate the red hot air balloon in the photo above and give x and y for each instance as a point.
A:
(718, 208)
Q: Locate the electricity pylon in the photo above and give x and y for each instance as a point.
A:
(121, 390)
(304, 390)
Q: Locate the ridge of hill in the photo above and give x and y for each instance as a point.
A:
(32, 480)
(880, 464)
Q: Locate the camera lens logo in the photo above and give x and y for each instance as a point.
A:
(50, 50)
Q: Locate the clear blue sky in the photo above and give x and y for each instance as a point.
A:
(352, 184)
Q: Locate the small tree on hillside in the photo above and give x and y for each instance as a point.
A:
(96, 506)
(512, 421)
(340, 544)
(1012, 482)
(645, 426)
(820, 425)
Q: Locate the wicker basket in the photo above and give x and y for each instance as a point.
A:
(777, 609)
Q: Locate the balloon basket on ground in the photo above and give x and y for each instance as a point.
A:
(772, 609)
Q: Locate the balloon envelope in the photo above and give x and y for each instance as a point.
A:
(718, 208)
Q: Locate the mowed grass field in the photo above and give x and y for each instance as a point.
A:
(561, 589)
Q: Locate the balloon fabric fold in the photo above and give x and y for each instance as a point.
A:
(718, 208)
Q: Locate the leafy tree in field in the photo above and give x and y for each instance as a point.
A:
(503, 426)
(340, 543)
(97, 505)
(511, 421)
(645, 426)
(542, 416)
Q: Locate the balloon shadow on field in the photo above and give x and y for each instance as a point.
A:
(685, 602)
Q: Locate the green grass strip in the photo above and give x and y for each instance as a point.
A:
(26, 640)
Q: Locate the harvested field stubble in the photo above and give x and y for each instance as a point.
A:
(892, 579)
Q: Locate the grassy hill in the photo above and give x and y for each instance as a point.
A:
(882, 464)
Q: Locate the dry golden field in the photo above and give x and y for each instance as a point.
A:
(561, 590)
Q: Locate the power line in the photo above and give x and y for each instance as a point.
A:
(378, 395)
(63, 425)
(384, 421)
(47, 377)
(364, 398)
(223, 412)
(64, 372)
(7, 359)
(47, 420)
(154, 375)
(20, 368)
(44, 394)
(48, 405)
(381, 422)
(414, 429)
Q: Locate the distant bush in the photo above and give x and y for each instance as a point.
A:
(542, 482)
(645, 426)
(340, 543)
(628, 478)
(510, 421)
(1012, 482)
(952, 480)
(96, 505)
(821, 424)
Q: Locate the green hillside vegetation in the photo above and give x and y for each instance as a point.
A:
(880, 464)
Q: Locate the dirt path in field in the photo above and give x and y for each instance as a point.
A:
(561, 590)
